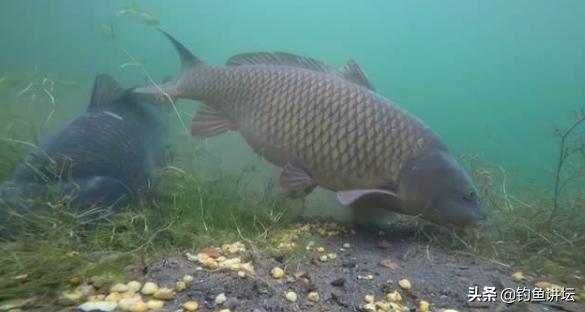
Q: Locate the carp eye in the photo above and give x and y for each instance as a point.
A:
(469, 195)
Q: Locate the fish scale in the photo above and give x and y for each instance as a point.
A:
(317, 121)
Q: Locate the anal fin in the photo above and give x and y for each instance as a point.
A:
(209, 122)
(296, 180)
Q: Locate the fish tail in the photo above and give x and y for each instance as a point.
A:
(174, 88)
(188, 59)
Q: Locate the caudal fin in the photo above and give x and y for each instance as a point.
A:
(188, 59)
(188, 62)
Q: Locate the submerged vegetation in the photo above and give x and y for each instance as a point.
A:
(52, 245)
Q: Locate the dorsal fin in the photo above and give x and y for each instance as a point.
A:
(278, 58)
(105, 90)
(353, 72)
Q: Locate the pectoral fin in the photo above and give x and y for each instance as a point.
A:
(349, 197)
(294, 179)
(210, 122)
(371, 199)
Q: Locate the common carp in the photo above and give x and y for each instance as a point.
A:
(327, 127)
(100, 159)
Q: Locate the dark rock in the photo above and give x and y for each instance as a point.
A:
(340, 282)
(349, 264)
(337, 293)
(384, 244)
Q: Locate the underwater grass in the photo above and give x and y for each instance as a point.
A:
(543, 230)
(187, 212)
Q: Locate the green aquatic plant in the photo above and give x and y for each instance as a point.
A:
(135, 10)
(568, 149)
(107, 30)
(10, 156)
(188, 211)
(150, 19)
(31, 91)
(23, 82)
(16, 139)
(163, 95)
(132, 9)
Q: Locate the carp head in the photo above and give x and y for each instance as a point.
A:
(438, 189)
(433, 186)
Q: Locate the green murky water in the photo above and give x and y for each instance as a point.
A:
(491, 77)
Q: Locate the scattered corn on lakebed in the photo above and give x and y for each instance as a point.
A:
(302, 267)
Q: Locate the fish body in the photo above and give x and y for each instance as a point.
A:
(325, 127)
(103, 157)
(345, 135)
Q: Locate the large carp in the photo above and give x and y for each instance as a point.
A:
(101, 159)
(327, 127)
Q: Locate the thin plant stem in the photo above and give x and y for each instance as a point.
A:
(564, 153)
